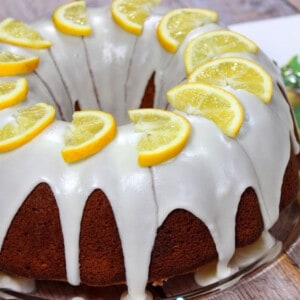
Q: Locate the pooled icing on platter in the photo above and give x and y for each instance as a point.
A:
(207, 178)
(243, 257)
(16, 284)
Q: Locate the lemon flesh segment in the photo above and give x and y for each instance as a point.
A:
(238, 73)
(13, 92)
(131, 14)
(165, 134)
(18, 33)
(175, 25)
(12, 64)
(207, 45)
(71, 18)
(89, 132)
(29, 122)
(210, 102)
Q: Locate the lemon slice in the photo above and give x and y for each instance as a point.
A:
(207, 45)
(211, 102)
(176, 24)
(13, 92)
(165, 135)
(18, 33)
(12, 64)
(131, 14)
(238, 73)
(89, 132)
(70, 18)
(29, 122)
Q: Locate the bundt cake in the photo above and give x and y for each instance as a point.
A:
(106, 220)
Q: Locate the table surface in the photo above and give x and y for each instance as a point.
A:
(281, 279)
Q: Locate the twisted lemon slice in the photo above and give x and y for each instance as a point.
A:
(89, 132)
(18, 33)
(207, 45)
(176, 24)
(13, 92)
(238, 73)
(131, 14)
(12, 64)
(71, 18)
(213, 103)
(165, 135)
(29, 122)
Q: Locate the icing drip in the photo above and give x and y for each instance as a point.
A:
(207, 178)
(243, 257)
(143, 296)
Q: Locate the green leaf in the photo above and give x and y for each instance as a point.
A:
(291, 73)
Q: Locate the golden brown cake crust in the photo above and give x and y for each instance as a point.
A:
(100, 243)
(33, 247)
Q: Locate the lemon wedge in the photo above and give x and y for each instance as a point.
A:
(13, 92)
(12, 64)
(210, 102)
(165, 135)
(176, 24)
(238, 73)
(18, 33)
(89, 132)
(207, 45)
(70, 18)
(131, 14)
(29, 122)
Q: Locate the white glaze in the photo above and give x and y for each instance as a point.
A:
(264, 249)
(15, 284)
(110, 70)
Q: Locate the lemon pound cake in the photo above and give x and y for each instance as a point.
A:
(135, 148)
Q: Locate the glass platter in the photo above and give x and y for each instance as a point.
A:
(284, 233)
